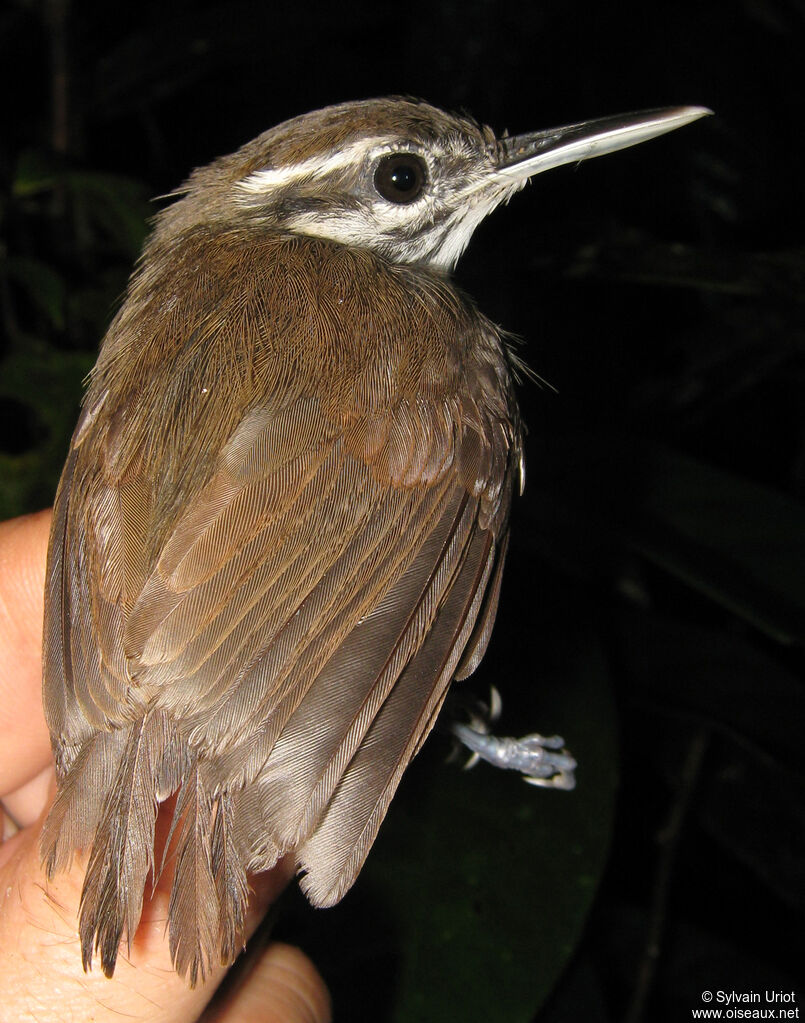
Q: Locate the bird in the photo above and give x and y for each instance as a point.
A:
(280, 529)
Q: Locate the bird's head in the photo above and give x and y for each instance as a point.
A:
(396, 176)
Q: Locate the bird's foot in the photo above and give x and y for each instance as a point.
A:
(542, 760)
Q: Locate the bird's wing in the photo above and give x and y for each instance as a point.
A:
(302, 617)
(308, 612)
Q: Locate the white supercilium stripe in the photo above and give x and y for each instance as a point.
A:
(315, 166)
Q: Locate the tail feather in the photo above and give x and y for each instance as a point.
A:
(230, 881)
(108, 801)
(75, 815)
(208, 898)
(123, 851)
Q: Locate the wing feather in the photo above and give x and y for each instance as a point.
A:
(333, 855)
(342, 700)
(269, 688)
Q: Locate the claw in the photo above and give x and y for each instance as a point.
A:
(533, 755)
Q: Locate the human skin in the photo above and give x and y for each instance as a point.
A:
(40, 959)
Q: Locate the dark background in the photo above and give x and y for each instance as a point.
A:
(653, 604)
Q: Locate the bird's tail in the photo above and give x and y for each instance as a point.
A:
(122, 852)
(108, 801)
(209, 893)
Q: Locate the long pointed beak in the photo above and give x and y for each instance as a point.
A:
(525, 155)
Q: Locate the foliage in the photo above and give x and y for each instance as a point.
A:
(68, 242)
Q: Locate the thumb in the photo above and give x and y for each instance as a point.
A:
(283, 986)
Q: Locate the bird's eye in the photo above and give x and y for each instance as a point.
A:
(400, 178)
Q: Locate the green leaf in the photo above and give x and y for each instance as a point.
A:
(50, 384)
(487, 880)
(736, 541)
(35, 173)
(712, 676)
(112, 203)
(44, 287)
(749, 797)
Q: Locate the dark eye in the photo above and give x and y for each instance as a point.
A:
(400, 178)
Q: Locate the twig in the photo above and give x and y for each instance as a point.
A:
(668, 840)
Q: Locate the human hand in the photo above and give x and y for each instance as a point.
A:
(40, 958)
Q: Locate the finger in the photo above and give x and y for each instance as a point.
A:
(24, 742)
(40, 956)
(283, 987)
(25, 804)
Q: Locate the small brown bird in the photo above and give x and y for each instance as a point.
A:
(281, 526)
